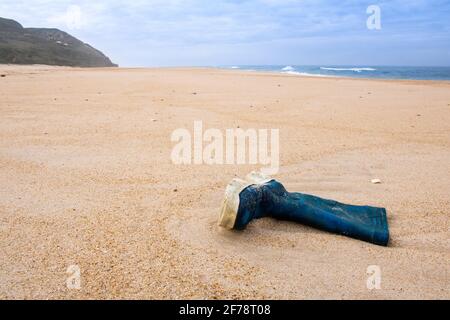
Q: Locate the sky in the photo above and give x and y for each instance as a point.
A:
(250, 32)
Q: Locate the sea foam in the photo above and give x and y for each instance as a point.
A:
(348, 69)
(288, 68)
(306, 74)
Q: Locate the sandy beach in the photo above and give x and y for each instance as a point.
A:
(87, 179)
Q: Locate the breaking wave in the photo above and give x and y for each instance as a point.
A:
(348, 69)
(288, 68)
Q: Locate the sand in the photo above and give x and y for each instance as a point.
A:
(87, 179)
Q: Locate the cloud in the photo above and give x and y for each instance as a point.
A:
(171, 32)
(72, 18)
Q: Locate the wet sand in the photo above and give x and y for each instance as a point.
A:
(87, 179)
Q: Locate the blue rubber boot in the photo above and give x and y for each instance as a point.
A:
(246, 200)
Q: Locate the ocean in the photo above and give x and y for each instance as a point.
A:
(370, 72)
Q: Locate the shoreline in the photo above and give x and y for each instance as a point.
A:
(225, 69)
(335, 77)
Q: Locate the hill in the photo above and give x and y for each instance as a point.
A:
(19, 45)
